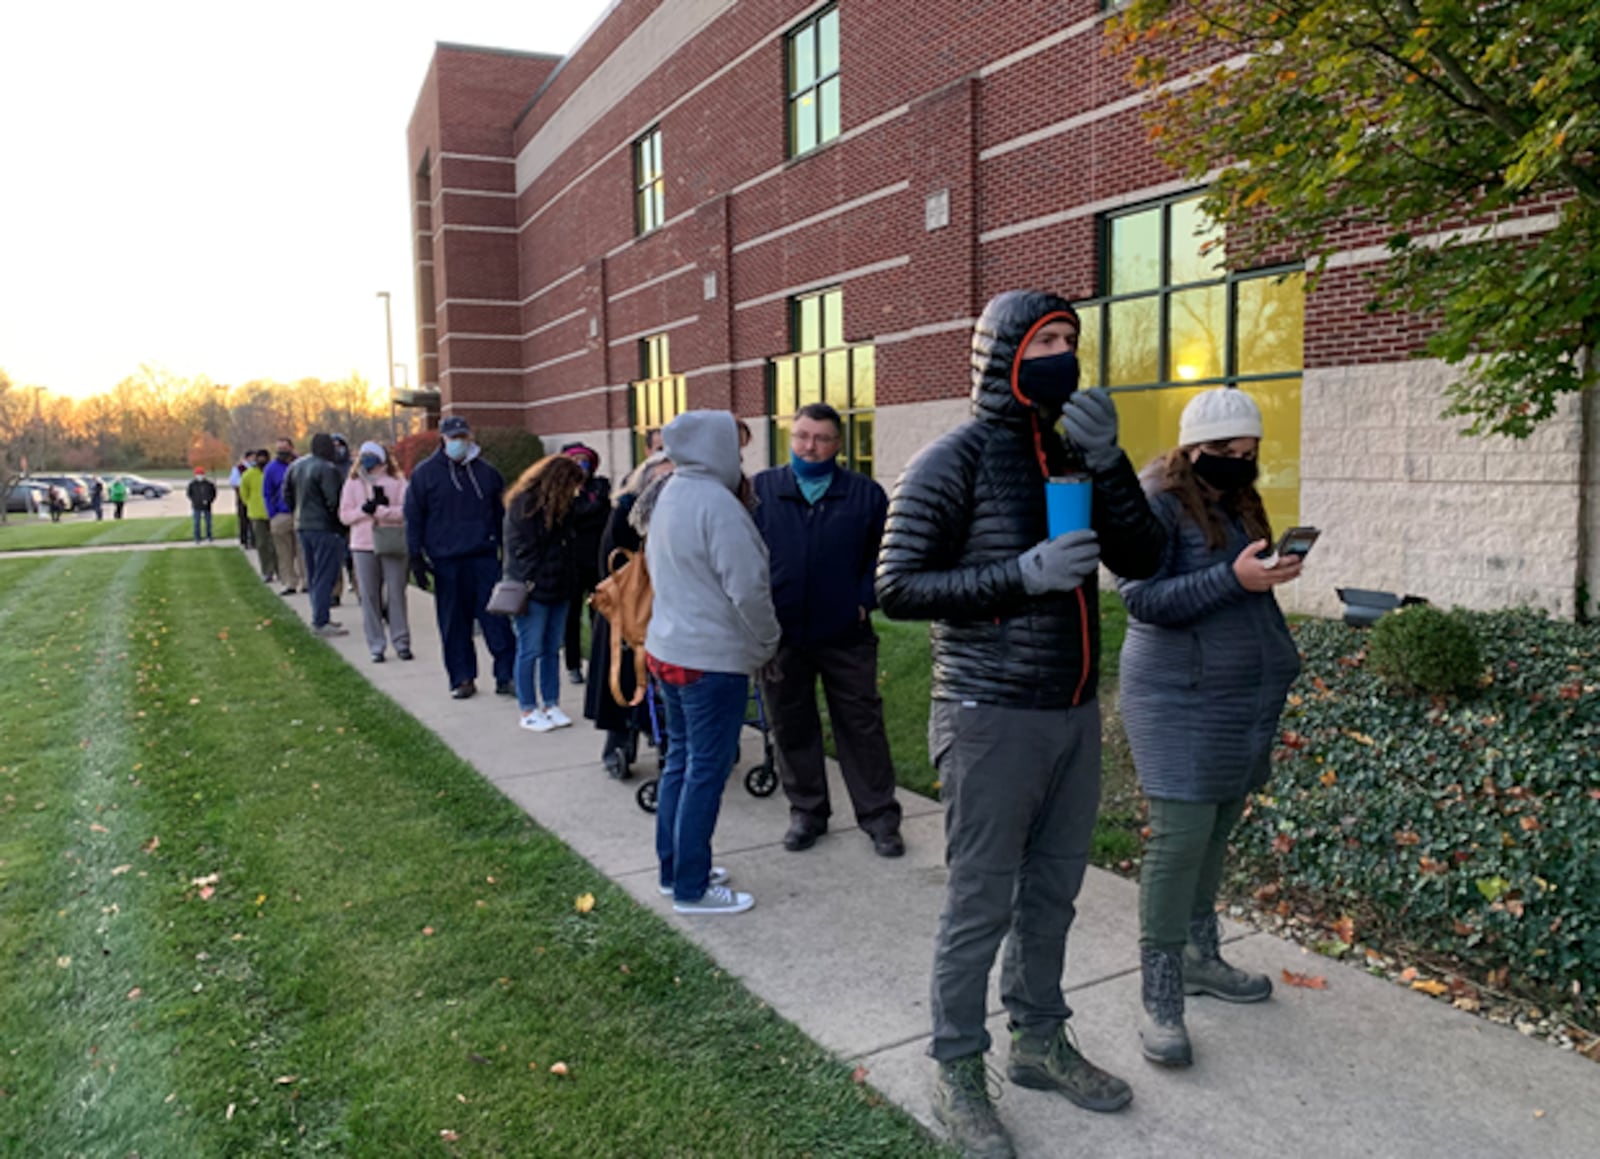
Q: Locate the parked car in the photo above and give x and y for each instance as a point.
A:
(76, 489)
(139, 485)
(28, 499)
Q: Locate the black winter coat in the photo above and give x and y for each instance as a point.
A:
(970, 504)
(540, 555)
(822, 554)
(591, 511)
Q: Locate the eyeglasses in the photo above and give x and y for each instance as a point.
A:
(819, 440)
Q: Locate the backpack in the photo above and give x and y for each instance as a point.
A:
(625, 598)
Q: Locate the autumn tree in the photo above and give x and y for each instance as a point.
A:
(13, 439)
(1466, 131)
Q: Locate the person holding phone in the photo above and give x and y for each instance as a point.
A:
(1206, 667)
(372, 505)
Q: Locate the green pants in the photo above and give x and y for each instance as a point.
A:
(1182, 867)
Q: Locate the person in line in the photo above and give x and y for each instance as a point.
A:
(202, 494)
(454, 515)
(280, 517)
(823, 525)
(234, 478)
(1201, 746)
(652, 442)
(1014, 729)
(711, 627)
(541, 553)
(619, 721)
(97, 497)
(118, 494)
(372, 506)
(252, 494)
(314, 486)
(343, 461)
(590, 513)
(56, 500)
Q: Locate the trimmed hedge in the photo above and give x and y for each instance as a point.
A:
(1471, 826)
(1421, 649)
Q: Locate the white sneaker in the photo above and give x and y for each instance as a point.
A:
(556, 717)
(719, 876)
(718, 899)
(536, 720)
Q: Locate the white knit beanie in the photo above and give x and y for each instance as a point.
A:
(1215, 416)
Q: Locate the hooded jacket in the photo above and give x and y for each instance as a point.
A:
(971, 503)
(708, 565)
(313, 485)
(454, 510)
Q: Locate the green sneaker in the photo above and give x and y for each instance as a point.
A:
(962, 1103)
(1053, 1063)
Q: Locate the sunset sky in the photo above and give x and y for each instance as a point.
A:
(218, 189)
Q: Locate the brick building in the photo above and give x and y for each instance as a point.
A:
(750, 204)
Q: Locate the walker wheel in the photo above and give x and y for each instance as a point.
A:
(646, 795)
(761, 780)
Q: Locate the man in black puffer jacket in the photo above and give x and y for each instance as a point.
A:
(1015, 727)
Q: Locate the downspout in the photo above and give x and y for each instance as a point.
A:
(1586, 601)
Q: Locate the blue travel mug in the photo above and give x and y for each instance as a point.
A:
(1067, 503)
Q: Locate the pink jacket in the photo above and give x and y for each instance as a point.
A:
(358, 491)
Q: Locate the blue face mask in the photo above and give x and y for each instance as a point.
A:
(808, 470)
(1048, 382)
(456, 448)
(370, 463)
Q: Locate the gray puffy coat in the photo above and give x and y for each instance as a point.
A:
(1205, 668)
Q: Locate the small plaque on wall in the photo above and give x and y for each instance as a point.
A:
(937, 210)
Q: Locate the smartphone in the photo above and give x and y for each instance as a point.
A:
(1296, 541)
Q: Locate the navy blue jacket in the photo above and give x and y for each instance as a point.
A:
(454, 510)
(823, 554)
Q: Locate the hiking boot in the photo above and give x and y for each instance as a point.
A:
(1052, 1063)
(961, 1102)
(1162, 1034)
(718, 899)
(1204, 971)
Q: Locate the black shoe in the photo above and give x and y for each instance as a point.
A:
(463, 690)
(377, 657)
(403, 653)
(504, 688)
(889, 844)
(802, 835)
(287, 592)
(574, 675)
(616, 764)
(333, 601)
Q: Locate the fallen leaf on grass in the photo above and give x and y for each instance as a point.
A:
(584, 903)
(1345, 929)
(859, 1075)
(119, 870)
(448, 1135)
(284, 1080)
(98, 828)
(151, 845)
(1409, 974)
(427, 931)
(1282, 843)
(1431, 986)
(229, 1115)
(208, 879)
(559, 1069)
(1305, 981)
(134, 994)
(64, 961)
(206, 891)
(473, 1056)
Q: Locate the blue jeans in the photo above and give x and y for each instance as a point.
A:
(461, 587)
(198, 512)
(539, 632)
(703, 722)
(324, 556)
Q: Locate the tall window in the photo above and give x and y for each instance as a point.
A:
(814, 82)
(824, 368)
(649, 183)
(1171, 321)
(658, 395)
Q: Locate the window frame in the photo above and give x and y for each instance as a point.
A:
(1163, 293)
(851, 415)
(649, 184)
(811, 27)
(655, 379)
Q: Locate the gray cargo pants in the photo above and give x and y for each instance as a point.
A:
(1021, 788)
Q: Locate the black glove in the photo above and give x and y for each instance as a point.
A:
(420, 573)
(370, 506)
(380, 497)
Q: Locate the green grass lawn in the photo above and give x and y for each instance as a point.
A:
(248, 905)
(905, 676)
(25, 533)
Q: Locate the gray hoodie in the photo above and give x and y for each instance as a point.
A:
(708, 564)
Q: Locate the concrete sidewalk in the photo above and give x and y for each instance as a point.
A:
(840, 943)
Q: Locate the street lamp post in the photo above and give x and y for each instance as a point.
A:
(38, 420)
(388, 334)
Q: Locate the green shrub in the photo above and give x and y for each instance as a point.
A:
(1470, 828)
(1421, 649)
(511, 450)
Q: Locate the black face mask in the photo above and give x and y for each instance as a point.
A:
(1225, 474)
(285, 456)
(1048, 382)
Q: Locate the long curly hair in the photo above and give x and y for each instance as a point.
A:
(1175, 473)
(547, 488)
